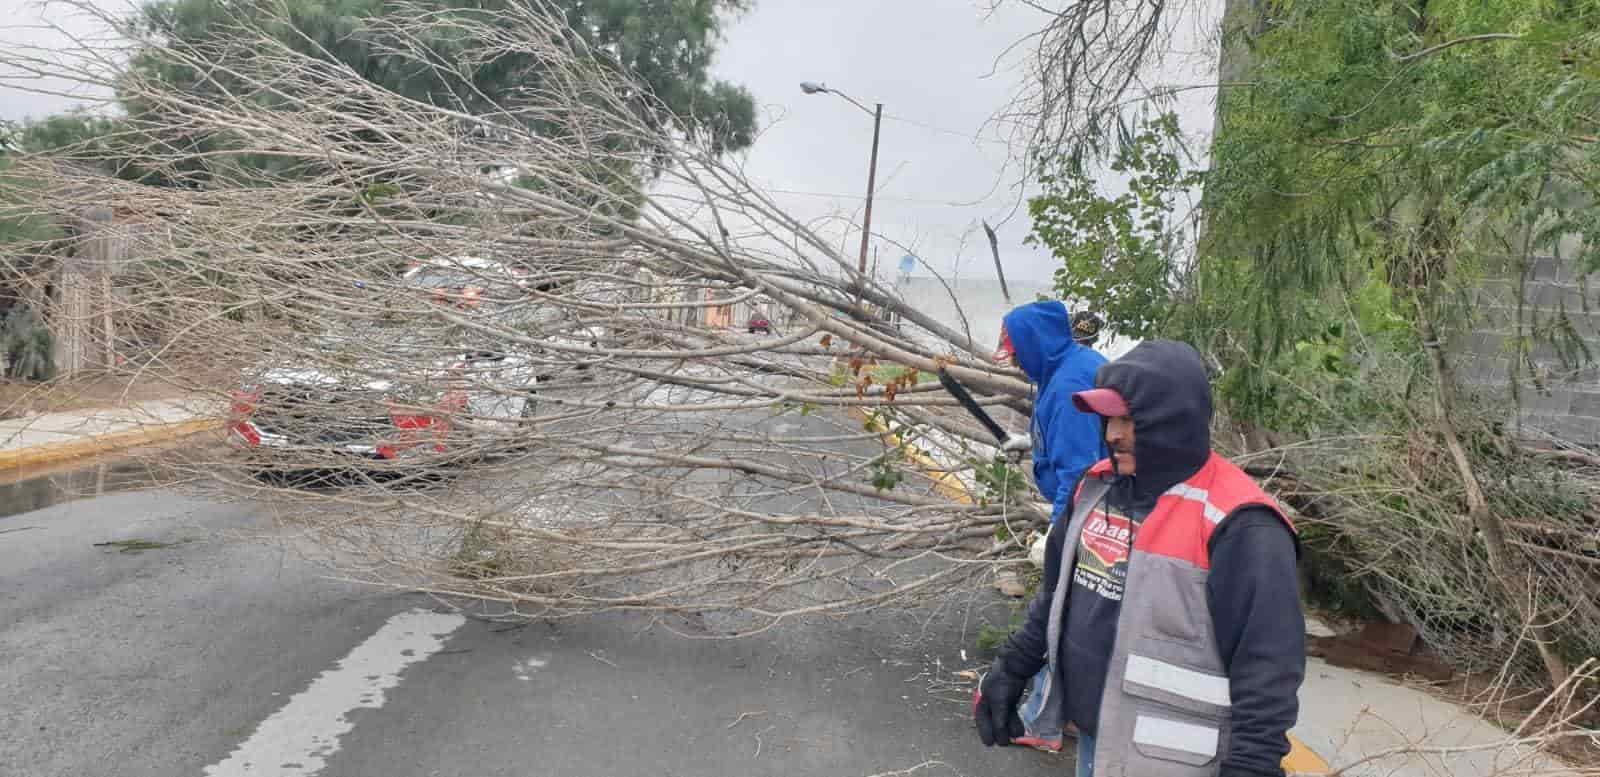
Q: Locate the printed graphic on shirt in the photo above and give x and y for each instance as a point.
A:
(1103, 554)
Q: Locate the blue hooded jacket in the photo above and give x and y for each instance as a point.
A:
(1066, 441)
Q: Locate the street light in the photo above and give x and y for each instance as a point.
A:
(812, 87)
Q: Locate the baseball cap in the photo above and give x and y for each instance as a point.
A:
(1101, 401)
(1005, 351)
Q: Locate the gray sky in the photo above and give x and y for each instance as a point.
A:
(933, 63)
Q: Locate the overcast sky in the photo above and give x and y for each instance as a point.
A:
(932, 63)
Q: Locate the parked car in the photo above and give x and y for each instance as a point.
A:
(759, 323)
(393, 389)
(338, 407)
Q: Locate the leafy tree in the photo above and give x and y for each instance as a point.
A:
(1121, 254)
(1380, 160)
(667, 45)
(1432, 143)
(1388, 158)
(19, 224)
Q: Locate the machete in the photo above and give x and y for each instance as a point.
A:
(964, 396)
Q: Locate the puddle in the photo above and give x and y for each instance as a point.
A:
(23, 492)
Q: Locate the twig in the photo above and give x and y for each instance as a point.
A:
(743, 715)
(1408, 58)
(757, 735)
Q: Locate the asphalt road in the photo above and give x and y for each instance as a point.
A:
(208, 646)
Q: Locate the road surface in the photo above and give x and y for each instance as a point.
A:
(203, 644)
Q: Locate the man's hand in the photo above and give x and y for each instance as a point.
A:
(1017, 443)
(995, 708)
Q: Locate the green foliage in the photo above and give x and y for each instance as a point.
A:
(1386, 159)
(19, 224)
(990, 637)
(1373, 174)
(885, 469)
(666, 44)
(88, 140)
(1120, 254)
(63, 130)
(998, 481)
(802, 408)
(27, 345)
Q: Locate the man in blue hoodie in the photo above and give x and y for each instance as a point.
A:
(1056, 352)
(1168, 618)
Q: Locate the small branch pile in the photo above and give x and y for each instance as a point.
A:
(1385, 524)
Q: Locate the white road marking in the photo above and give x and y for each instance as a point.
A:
(297, 740)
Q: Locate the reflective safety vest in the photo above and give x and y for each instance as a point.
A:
(1165, 710)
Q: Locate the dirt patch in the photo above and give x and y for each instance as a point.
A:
(1383, 648)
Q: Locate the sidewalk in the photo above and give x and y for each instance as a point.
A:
(51, 437)
(1348, 716)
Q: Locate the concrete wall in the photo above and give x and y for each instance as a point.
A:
(1557, 394)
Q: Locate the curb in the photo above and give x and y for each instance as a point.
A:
(1301, 761)
(35, 455)
(945, 483)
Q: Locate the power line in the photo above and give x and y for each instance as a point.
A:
(943, 131)
(877, 197)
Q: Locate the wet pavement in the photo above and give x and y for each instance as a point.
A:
(28, 489)
(25, 491)
(141, 629)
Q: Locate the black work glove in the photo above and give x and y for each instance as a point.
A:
(995, 709)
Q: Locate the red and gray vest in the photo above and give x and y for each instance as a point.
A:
(1165, 710)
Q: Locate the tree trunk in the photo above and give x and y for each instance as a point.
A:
(107, 324)
(1504, 565)
(69, 322)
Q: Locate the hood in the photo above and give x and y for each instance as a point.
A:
(1041, 333)
(1168, 394)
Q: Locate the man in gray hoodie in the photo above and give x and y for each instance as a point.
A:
(1169, 614)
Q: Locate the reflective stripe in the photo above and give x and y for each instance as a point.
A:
(1175, 735)
(1186, 491)
(1182, 681)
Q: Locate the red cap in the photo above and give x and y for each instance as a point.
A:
(1101, 401)
(1005, 352)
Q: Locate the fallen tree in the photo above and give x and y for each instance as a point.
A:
(517, 295)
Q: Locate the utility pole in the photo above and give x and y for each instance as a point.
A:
(872, 183)
(812, 87)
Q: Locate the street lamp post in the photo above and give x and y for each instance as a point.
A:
(810, 87)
